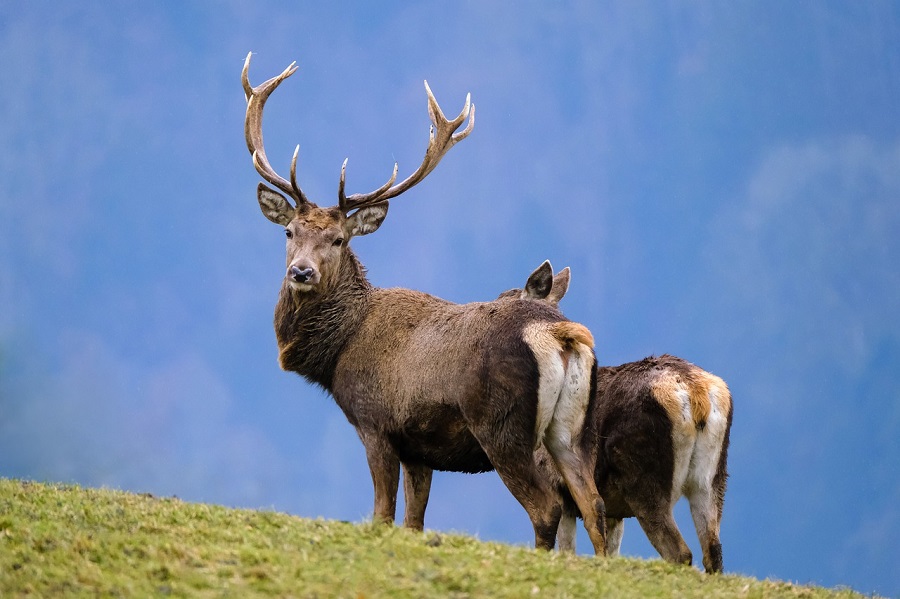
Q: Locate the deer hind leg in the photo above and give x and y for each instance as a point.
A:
(582, 488)
(712, 551)
(512, 456)
(565, 537)
(660, 528)
(543, 504)
(384, 465)
(416, 488)
(615, 528)
(573, 389)
(566, 532)
(705, 488)
(706, 506)
(705, 515)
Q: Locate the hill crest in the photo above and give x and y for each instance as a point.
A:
(66, 540)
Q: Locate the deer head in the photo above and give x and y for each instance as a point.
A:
(317, 237)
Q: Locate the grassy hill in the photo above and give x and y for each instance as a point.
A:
(63, 540)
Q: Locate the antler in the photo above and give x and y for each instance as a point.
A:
(256, 101)
(442, 136)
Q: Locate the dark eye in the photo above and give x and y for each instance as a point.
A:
(288, 234)
(338, 242)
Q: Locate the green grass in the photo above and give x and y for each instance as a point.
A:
(64, 540)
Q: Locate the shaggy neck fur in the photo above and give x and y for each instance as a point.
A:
(312, 327)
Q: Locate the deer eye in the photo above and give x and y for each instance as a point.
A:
(338, 242)
(288, 234)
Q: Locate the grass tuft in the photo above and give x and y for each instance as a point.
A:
(64, 540)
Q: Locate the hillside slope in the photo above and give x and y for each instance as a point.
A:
(63, 540)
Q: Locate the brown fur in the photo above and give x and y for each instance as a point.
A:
(428, 383)
(631, 426)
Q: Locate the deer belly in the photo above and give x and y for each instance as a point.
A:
(441, 440)
(616, 505)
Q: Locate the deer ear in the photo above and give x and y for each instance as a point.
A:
(539, 283)
(560, 286)
(274, 206)
(366, 220)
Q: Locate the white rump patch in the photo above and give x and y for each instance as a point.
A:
(551, 372)
(705, 463)
(705, 459)
(684, 436)
(563, 389)
(568, 417)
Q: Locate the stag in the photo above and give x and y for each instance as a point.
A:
(656, 430)
(427, 384)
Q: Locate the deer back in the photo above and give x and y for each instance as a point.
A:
(419, 349)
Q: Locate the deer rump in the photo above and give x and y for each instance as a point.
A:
(657, 430)
(649, 425)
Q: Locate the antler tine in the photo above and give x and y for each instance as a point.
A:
(256, 100)
(442, 136)
(294, 186)
(436, 114)
(342, 198)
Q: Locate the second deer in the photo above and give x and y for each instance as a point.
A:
(657, 430)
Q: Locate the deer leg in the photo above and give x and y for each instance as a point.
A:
(565, 534)
(565, 537)
(615, 528)
(580, 482)
(665, 537)
(544, 506)
(384, 465)
(705, 513)
(712, 550)
(514, 462)
(565, 384)
(416, 487)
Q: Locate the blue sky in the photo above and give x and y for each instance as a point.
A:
(722, 178)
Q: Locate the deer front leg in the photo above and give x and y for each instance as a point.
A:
(384, 465)
(416, 488)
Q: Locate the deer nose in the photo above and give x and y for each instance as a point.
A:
(301, 275)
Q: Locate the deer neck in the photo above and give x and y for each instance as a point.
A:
(312, 328)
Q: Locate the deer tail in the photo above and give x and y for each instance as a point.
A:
(571, 334)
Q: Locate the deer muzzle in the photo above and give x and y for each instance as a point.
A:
(302, 276)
